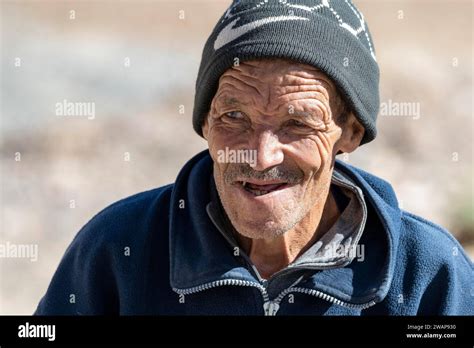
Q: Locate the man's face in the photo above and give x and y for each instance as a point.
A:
(283, 112)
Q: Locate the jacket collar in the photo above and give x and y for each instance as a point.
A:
(200, 254)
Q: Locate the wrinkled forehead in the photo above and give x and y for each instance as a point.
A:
(279, 72)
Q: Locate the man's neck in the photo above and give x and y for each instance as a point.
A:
(272, 255)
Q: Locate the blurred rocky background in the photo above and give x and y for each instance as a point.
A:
(138, 61)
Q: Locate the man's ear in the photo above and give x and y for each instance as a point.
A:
(205, 127)
(352, 134)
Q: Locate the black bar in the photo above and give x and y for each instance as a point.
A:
(258, 330)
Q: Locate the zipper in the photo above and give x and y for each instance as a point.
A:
(275, 306)
(223, 282)
(271, 307)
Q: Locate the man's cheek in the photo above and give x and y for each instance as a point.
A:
(324, 148)
(219, 173)
(308, 156)
(215, 145)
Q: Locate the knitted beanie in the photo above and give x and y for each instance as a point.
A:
(330, 35)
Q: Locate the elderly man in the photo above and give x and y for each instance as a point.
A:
(267, 221)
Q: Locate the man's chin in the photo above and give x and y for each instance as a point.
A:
(263, 230)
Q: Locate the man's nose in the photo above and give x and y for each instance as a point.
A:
(269, 150)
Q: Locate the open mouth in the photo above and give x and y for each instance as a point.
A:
(262, 189)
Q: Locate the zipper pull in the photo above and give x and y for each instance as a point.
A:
(270, 308)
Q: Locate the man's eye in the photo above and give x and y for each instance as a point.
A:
(296, 123)
(235, 115)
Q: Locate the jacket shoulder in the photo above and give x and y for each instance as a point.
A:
(433, 268)
(128, 215)
(428, 237)
(105, 254)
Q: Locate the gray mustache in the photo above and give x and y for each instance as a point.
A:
(243, 172)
